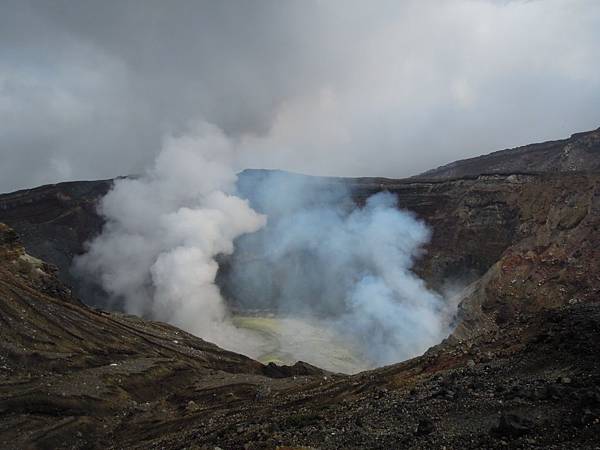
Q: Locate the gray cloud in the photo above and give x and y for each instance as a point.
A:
(89, 89)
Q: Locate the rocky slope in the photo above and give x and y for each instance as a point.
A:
(580, 152)
(72, 377)
(55, 221)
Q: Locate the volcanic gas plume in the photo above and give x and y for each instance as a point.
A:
(163, 230)
(306, 255)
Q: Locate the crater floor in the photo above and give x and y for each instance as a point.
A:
(286, 340)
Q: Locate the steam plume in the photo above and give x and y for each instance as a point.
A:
(321, 258)
(163, 231)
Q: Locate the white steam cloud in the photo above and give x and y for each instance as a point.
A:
(163, 231)
(322, 256)
(387, 308)
(321, 259)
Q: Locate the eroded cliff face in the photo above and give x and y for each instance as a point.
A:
(524, 241)
(553, 262)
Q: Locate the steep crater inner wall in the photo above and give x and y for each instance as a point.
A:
(474, 221)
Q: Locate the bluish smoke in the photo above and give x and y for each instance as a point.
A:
(321, 254)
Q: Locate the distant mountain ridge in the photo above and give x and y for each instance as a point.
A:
(580, 152)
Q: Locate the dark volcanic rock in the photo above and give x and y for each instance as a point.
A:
(55, 221)
(513, 425)
(73, 377)
(425, 427)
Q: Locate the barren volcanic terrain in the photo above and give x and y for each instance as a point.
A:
(520, 369)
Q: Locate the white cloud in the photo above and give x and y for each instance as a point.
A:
(339, 87)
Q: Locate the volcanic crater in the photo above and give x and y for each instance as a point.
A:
(519, 368)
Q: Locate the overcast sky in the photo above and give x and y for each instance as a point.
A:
(89, 89)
